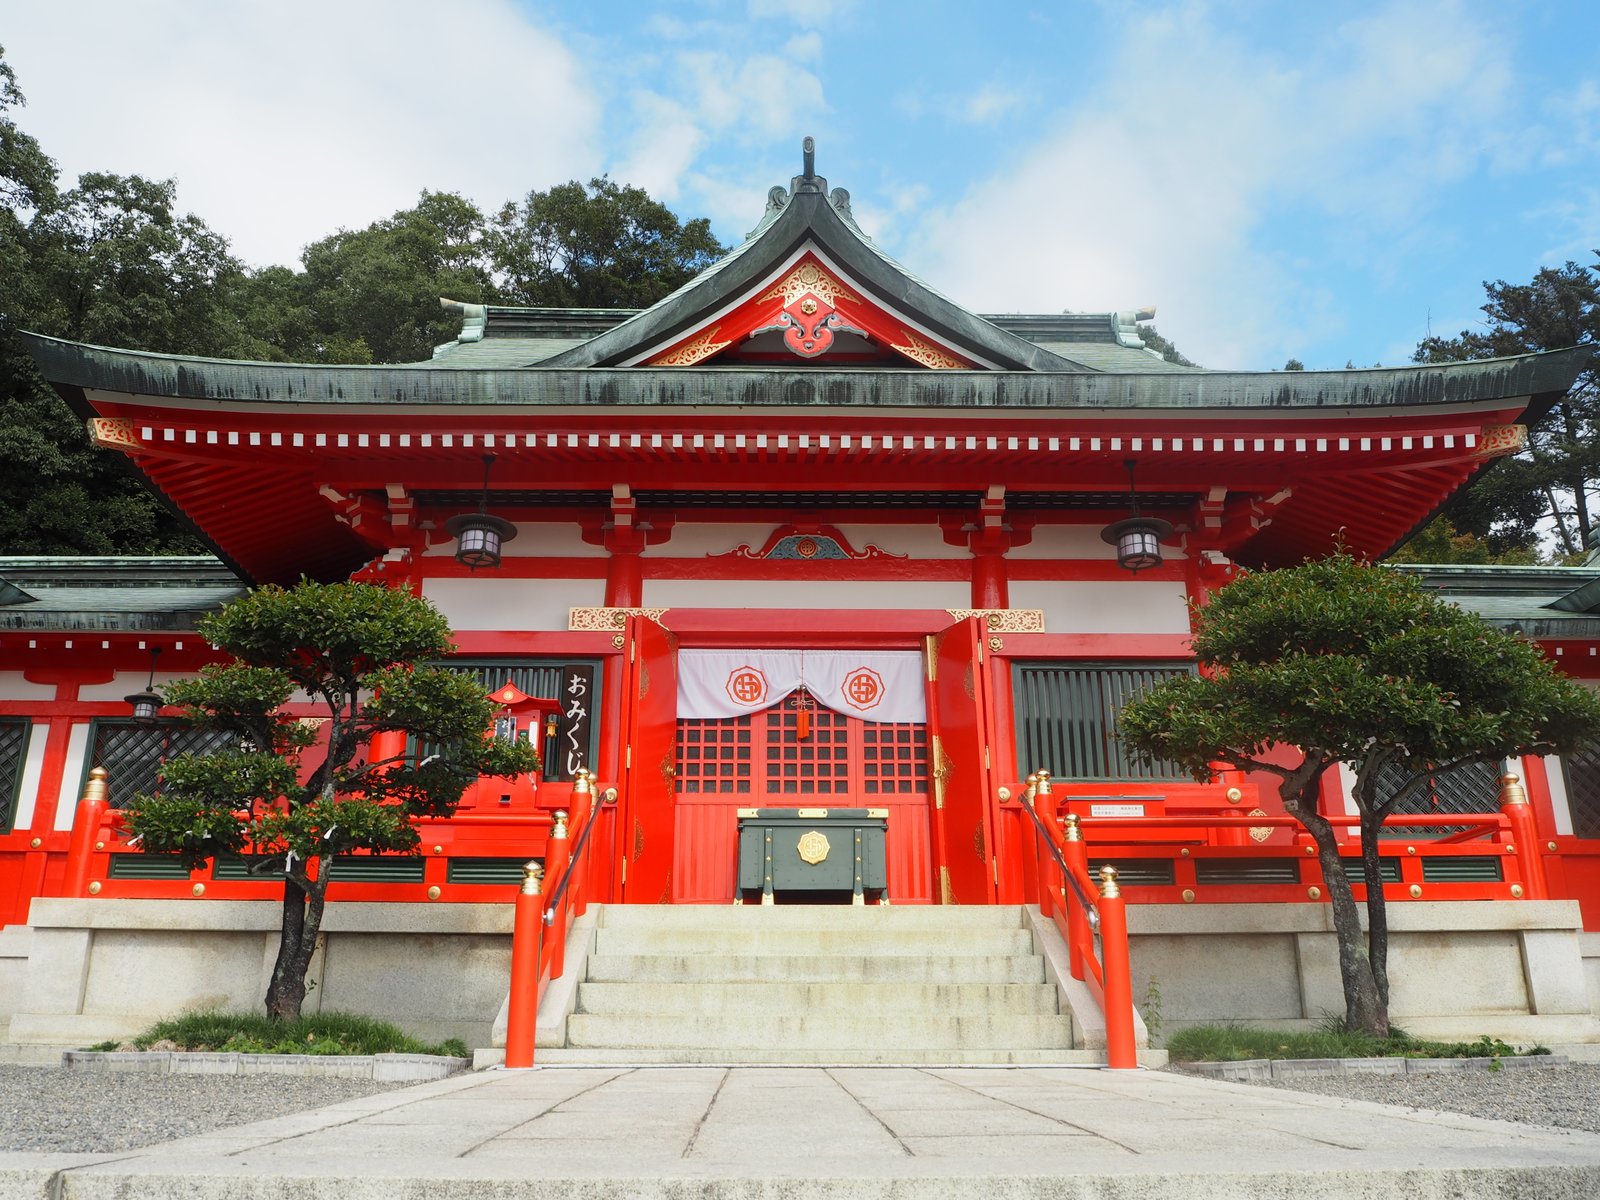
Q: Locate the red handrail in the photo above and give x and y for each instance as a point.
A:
(540, 927)
(1081, 912)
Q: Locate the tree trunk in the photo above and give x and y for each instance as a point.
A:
(297, 942)
(1364, 1009)
(1377, 909)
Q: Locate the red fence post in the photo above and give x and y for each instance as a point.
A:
(1032, 880)
(1514, 804)
(522, 1009)
(1077, 858)
(86, 821)
(1122, 1051)
(557, 867)
(583, 811)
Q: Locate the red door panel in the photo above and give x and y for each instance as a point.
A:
(650, 699)
(958, 712)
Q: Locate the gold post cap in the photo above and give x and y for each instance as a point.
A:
(1108, 882)
(1512, 791)
(97, 788)
(1070, 829)
(558, 828)
(532, 878)
(581, 780)
(1044, 782)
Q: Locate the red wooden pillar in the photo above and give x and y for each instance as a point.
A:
(522, 1008)
(85, 829)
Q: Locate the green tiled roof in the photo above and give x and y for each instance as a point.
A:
(111, 594)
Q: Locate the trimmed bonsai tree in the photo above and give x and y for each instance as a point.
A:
(299, 790)
(1354, 664)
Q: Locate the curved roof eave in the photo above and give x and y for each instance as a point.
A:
(74, 368)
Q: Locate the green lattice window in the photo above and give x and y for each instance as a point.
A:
(1582, 774)
(133, 754)
(1469, 788)
(13, 750)
(1067, 713)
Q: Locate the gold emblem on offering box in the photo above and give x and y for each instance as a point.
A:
(813, 847)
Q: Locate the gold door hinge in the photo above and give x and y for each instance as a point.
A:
(995, 863)
(987, 765)
(624, 868)
(627, 758)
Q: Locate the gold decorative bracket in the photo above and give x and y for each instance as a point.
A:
(608, 620)
(1004, 620)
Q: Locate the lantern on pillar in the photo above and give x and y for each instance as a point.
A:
(479, 536)
(1137, 538)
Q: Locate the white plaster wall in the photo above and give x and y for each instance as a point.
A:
(1068, 542)
(536, 539)
(1109, 606)
(32, 770)
(72, 776)
(1560, 805)
(14, 687)
(528, 604)
(128, 682)
(800, 594)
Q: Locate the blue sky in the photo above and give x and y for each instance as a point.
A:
(1324, 181)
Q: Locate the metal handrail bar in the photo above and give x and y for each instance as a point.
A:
(572, 863)
(1067, 873)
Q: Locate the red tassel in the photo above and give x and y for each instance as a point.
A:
(802, 723)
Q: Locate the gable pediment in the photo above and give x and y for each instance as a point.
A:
(809, 288)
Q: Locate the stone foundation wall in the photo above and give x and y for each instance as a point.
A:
(100, 969)
(1512, 969)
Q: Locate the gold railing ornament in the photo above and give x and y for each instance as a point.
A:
(98, 787)
(558, 826)
(532, 878)
(1108, 883)
(1069, 828)
(1512, 791)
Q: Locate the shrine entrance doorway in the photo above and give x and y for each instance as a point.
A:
(798, 754)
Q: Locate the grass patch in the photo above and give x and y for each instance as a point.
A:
(254, 1033)
(1234, 1043)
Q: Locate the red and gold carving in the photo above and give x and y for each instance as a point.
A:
(928, 354)
(697, 350)
(113, 433)
(809, 277)
(1496, 441)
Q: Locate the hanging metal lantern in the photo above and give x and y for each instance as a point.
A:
(147, 704)
(1137, 538)
(480, 536)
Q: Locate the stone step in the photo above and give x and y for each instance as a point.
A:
(559, 1056)
(815, 968)
(826, 1030)
(812, 916)
(879, 943)
(778, 999)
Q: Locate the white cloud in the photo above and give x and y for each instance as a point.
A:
(302, 117)
(809, 14)
(989, 103)
(1164, 195)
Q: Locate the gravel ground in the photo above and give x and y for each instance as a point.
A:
(1568, 1096)
(47, 1108)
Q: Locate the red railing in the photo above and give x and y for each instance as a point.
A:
(1424, 856)
(1094, 923)
(540, 927)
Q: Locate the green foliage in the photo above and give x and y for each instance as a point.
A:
(1558, 308)
(1353, 663)
(1163, 347)
(1294, 364)
(111, 260)
(606, 245)
(322, 1033)
(309, 790)
(1236, 1043)
(1440, 542)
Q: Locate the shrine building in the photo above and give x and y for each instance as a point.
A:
(806, 535)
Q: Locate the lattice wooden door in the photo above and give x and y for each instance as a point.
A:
(799, 754)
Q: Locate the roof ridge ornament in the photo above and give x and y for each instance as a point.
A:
(808, 180)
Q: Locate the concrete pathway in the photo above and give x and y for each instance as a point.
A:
(806, 1133)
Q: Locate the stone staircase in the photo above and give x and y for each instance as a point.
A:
(807, 984)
